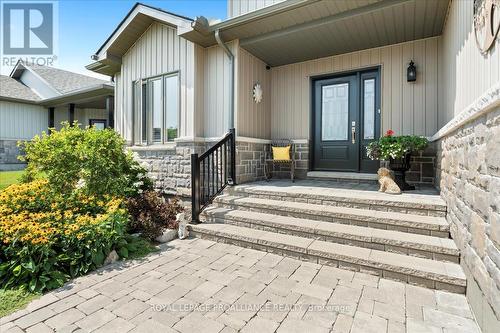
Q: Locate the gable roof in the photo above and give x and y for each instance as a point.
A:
(10, 88)
(67, 86)
(107, 59)
(64, 81)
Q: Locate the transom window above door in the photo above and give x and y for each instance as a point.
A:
(156, 109)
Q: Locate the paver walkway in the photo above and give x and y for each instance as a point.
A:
(197, 285)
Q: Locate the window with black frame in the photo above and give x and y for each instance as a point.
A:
(156, 109)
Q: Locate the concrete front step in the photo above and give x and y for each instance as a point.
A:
(423, 246)
(328, 195)
(419, 271)
(418, 224)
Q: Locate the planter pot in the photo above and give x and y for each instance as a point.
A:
(400, 166)
(167, 236)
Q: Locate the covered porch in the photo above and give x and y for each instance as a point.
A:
(89, 107)
(333, 77)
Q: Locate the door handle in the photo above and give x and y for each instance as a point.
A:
(353, 134)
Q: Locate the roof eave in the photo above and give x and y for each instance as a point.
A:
(19, 100)
(207, 38)
(95, 91)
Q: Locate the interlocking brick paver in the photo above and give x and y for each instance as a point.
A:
(34, 317)
(39, 328)
(131, 309)
(65, 318)
(195, 322)
(365, 323)
(96, 320)
(199, 286)
(116, 325)
(94, 304)
(260, 325)
(299, 326)
(152, 326)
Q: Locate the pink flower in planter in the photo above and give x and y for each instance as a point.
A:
(389, 133)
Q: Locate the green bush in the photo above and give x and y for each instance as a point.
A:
(91, 159)
(151, 213)
(395, 147)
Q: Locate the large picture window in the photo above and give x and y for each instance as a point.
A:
(156, 109)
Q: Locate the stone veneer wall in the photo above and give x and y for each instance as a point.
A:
(8, 156)
(468, 166)
(301, 163)
(170, 167)
(422, 166)
(250, 157)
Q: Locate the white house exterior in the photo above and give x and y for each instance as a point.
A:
(187, 69)
(34, 98)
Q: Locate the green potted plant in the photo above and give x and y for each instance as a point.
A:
(397, 150)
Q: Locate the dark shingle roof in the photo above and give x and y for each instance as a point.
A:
(11, 88)
(64, 81)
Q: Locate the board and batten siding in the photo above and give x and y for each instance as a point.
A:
(465, 73)
(82, 115)
(406, 108)
(19, 121)
(240, 7)
(158, 51)
(217, 89)
(252, 120)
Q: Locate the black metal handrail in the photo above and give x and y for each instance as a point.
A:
(211, 172)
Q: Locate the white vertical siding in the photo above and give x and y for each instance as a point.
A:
(465, 73)
(217, 87)
(159, 50)
(407, 108)
(19, 121)
(240, 7)
(252, 119)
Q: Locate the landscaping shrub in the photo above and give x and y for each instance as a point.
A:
(48, 237)
(151, 213)
(91, 159)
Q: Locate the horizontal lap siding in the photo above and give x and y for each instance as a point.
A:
(20, 121)
(466, 73)
(407, 108)
(158, 51)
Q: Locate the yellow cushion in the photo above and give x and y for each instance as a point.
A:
(281, 153)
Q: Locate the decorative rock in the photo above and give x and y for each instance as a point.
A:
(167, 236)
(111, 258)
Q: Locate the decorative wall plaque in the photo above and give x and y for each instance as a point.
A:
(486, 23)
(257, 93)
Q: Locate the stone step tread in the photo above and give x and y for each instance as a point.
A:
(439, 271)
(408, 220)
(408, 200)
(346, 231)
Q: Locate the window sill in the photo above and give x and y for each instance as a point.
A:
(168, 146)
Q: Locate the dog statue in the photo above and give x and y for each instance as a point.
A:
(386, 181)
(183, 230)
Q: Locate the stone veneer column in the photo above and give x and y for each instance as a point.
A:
(468, 174)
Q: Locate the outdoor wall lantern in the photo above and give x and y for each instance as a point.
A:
(411, 72)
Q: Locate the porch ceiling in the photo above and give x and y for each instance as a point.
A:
(311, 29)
